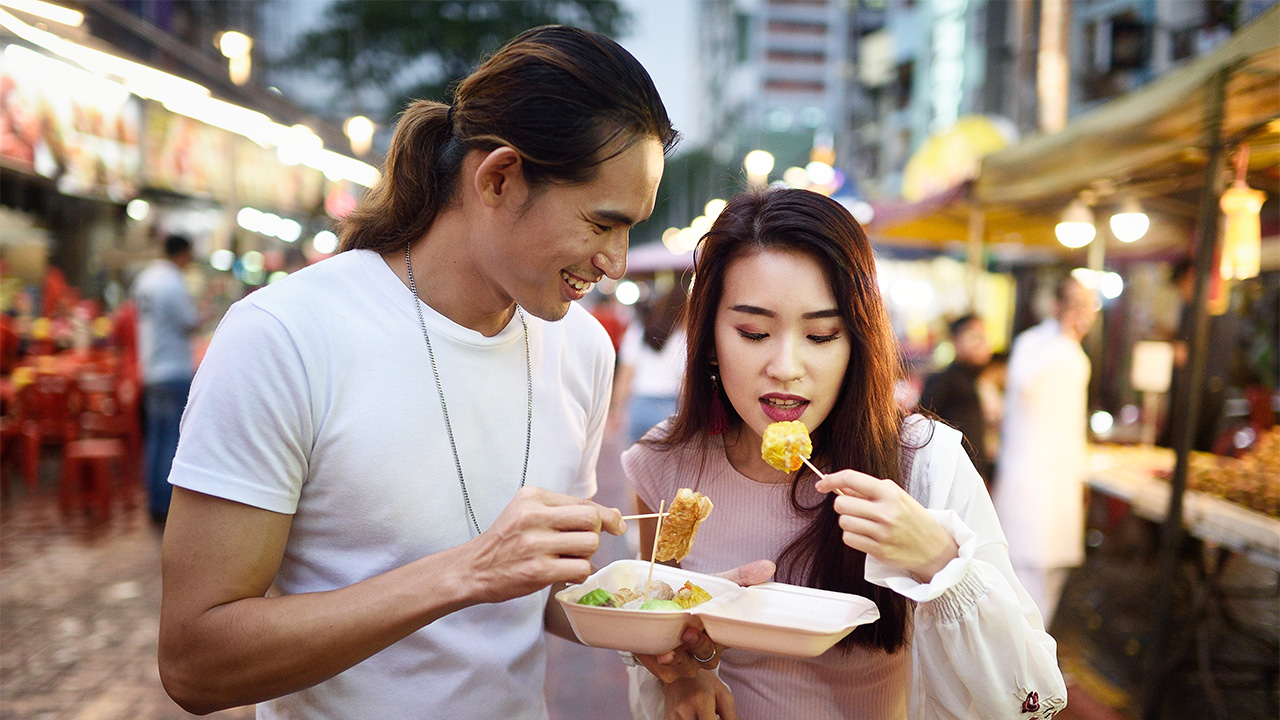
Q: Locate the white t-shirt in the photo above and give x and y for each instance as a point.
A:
(657, 372)
(316, 398)
(166, 319)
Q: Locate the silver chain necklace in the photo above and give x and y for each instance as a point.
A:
(435, 371)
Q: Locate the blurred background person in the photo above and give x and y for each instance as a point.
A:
(608, 311)
(1227, 348)
(650, 364)
(166, 320)
(1040, 492)
(952, 393)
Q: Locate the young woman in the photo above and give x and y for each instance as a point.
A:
(785, 322)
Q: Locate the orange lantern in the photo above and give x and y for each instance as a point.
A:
(1241, 228)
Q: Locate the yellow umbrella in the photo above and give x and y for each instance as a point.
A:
(947, 158)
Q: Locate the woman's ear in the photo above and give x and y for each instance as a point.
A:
(499, 177)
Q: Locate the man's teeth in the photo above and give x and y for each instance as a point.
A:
(575, 283)
(785, 404)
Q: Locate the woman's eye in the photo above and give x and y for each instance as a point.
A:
(820, 339)
(752, 336)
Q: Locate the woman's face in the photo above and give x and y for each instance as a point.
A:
(781, 343)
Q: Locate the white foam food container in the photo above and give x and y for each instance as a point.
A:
(784, 619)
(647, 632)
(772, 617)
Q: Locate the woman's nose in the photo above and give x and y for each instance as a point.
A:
(786, 365)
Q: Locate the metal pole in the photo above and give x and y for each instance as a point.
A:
(1172, 534)
(974, 264)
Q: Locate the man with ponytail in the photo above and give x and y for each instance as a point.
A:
(386, 459)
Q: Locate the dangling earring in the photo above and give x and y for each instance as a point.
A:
(718, 422)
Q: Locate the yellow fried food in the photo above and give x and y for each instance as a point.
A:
(690, 595)
(785, 444)
(675, 538)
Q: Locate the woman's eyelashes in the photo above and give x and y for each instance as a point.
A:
(818, 339)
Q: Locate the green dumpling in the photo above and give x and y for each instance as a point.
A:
(597, 598)
(661, 605)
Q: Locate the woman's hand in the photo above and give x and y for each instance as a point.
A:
(703, 697)
(882, 520)
(698, 651)
(683, 663)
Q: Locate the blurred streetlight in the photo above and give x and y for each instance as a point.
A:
(758, 163)
(1130, 223)
(359, 130)
(235, 46)
(1076, 229)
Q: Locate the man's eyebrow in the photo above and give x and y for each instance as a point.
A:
(616, 217)
(815, 315)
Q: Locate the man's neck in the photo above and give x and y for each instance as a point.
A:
(448, 281)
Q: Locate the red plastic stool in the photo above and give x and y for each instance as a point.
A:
(87, 470)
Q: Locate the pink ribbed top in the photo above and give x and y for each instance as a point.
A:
(751, 521)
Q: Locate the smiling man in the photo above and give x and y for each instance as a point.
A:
(387, 456)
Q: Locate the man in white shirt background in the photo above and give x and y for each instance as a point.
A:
(1039, 493)
(167, 318)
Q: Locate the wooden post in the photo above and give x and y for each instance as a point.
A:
(1171, 533)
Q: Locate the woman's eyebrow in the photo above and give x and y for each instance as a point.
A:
(754, 310)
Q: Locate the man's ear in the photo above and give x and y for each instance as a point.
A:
(499, 176)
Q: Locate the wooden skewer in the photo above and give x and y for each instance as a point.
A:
(816, 471)
(820, 474)
(644, 516)
(653, 554)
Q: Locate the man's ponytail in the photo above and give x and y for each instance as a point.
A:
(416, 182)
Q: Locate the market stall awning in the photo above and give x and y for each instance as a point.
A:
(1149, 142)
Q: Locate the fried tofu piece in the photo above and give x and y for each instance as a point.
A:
(687, 512)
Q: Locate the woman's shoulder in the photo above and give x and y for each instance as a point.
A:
(652, 458)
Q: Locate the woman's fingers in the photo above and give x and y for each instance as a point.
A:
(852, 482)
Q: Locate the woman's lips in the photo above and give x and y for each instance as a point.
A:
(779, 410)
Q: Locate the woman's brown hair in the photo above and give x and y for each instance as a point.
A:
(564, 98)
(863, 431)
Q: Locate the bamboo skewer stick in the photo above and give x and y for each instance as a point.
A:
(653, 554)
(644, 516)
(815, 470)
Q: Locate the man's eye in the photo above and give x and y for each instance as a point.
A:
(601, 228)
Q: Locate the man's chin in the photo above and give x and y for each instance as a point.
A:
(551, 312)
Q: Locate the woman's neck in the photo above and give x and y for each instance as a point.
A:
(742, 450)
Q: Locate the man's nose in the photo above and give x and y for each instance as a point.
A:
(612, 261)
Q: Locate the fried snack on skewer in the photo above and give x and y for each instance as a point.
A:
(675, 537)
(786, 445)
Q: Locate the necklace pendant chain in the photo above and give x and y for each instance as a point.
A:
(444, 408)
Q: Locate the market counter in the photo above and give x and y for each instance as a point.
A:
(1138, 475)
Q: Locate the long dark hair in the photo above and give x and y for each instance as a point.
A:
(564, 98)
(863, 431)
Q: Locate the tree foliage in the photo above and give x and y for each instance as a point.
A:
(389, 52)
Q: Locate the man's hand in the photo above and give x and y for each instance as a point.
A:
(541, 538)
